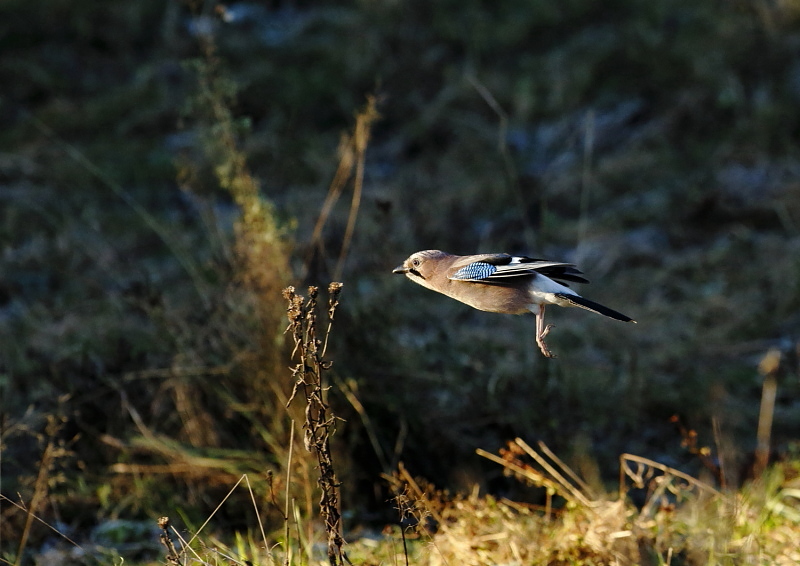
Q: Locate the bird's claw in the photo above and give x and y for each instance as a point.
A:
(543, 347)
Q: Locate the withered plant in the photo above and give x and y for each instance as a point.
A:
(320, 422)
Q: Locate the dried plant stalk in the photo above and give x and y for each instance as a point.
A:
(320, 422)
(173, 556)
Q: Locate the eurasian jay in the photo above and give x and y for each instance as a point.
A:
(503, 283)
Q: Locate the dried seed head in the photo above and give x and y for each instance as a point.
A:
(295, 308)
(334, 290)
(163, 523)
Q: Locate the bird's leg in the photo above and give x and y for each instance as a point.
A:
(541, 332)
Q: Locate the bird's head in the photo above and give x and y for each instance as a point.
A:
(421, 265)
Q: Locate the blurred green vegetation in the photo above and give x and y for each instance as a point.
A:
(653, 143)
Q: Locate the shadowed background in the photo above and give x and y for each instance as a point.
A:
(164, 166)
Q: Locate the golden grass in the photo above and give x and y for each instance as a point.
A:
(682, 521)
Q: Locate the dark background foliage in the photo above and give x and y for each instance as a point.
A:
(655, 144)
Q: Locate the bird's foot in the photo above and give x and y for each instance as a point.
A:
(542, 346)
(546, 330)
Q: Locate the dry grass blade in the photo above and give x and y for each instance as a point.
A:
(340, 178)
(214, 512)
(40, 489)
(22, 507)
(722, 453)
(640, 474)
(258, 515)
(590, 493)
(352, 154)
(178, 554)
(562, 481)
(644, 475)
(549, 478)
(421, 500)
(348, 391)
(527, 472)
(364, 121)
(288, 547)
(768, 368)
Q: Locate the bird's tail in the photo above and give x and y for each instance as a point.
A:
(579, 301)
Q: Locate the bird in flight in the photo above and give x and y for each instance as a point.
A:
(503, 283)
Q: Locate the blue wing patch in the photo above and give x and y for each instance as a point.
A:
(474, 271)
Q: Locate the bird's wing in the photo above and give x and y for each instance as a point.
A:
(500, 268)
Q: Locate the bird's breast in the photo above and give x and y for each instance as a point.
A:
(491, 297)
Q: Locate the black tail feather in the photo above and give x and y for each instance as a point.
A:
(579, 301)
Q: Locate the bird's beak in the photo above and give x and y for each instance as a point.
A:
(400, 270)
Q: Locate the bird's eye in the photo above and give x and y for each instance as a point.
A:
(415, 262)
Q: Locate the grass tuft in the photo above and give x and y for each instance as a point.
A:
(681, 519)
